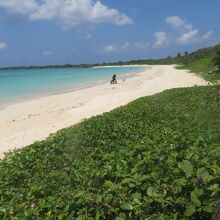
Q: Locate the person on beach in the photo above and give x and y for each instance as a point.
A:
(113, 81)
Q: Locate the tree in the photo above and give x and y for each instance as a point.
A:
(179, 55)
(168, 60)
(216, 59)
(186, 53)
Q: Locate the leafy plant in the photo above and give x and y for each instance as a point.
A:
(155, 158)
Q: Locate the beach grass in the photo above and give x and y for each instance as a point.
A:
(155, 158)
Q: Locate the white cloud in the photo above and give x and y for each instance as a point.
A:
(160, 39)
(47, 53)
(48, 9)
(19, 7)
(3, 45)
(110, 48)
(125, 47)
(187, 34)
(207, 35)
(178, 23)
(188, 26)
(188, 37)
(175, 21)
(69, 13)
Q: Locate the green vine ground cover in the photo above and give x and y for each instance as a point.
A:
(155, 158)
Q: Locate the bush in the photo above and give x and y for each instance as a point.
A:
(216, 59)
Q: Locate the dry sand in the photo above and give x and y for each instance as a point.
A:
(26, 122)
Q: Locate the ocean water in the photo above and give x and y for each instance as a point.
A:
(16, 85)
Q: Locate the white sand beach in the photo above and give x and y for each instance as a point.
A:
(29, 121)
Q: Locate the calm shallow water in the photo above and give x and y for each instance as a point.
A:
(16, 85)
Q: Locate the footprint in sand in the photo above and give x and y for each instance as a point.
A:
(72, 107)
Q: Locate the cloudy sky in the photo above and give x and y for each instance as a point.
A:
(41, 32)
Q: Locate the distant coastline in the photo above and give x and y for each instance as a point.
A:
(97, 65)
(80, 66)
(46, 67)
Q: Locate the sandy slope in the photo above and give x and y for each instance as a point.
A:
(26, 122)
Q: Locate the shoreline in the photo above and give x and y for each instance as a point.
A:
(68, 90)
(132, 65)
(25, 122)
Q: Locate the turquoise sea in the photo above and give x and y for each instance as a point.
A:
(16, 85)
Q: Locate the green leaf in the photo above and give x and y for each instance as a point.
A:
(62, 217)
(42, 203)
(189, 154)
(136, 195)
(150, 191)
(180, 200)
(186, 167)
(109, 184)
(190, 210)
(181, 181)
(2, 210)
(119, 218)
(81, 217)
(49, 213)
(209, 208)
(203, 173)
(214, 188)
(195, 200)
(97, 216)
(127, 206)
(127, 180)
(136, 201)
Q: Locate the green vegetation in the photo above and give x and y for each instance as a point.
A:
(216, 59)
(47, 67)
(205, 62)
(156, 158)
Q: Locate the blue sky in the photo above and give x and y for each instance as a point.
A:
(41, 32)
